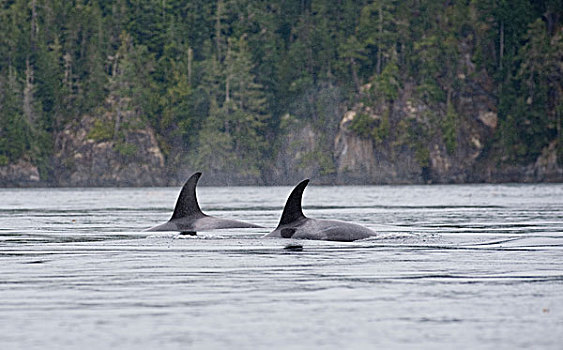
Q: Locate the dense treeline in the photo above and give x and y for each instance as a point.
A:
(215, 78)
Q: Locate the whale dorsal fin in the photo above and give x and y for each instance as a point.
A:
(292, 210)
(187, 205)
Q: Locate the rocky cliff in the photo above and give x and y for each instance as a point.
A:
(21, 174)
(87, 155)
(361, 160)
(403, 140)
(412, 151)
(411, 138)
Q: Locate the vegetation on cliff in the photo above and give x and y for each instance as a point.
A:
(215, 78)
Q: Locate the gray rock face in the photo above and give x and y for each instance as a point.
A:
(407, 156)
(20, 174)
(359, 160)
(81, 160)
(546, 167)
(413, 148)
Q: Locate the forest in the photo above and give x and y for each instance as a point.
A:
(219, 81)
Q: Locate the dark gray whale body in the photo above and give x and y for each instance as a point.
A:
(188, 217)
(293, 224)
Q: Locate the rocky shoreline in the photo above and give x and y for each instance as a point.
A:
(81, 161)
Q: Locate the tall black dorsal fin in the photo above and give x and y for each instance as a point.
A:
(292, 210)
(187, 205)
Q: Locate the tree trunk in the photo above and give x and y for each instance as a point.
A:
(229, 70)
(501, 44)
(355, 75)
(380, 40)
(34, 26)
(218, 28)
(190, 59)
(28, 94)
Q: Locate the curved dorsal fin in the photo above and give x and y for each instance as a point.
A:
(292, 210)
(187, 205)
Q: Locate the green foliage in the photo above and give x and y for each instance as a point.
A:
(449, 130)
(381, 132)
(323, 159)
(218, 77)
(529, 117)
(15, 141)
(422, 155)
(177, 118)
(326, 163)
(18, 136)
(368, 127)
(125, 149)
(387, 84)
(234, 132)
(362, 125)
(419, 136)
(214, 149)
(101, 131)
(431, 92)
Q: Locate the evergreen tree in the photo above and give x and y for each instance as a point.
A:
(233, 136)
(129, 85)
(16, 134)
(217, 76)
(541, 92)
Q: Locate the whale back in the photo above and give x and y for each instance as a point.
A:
(293, 210)
(187, 205)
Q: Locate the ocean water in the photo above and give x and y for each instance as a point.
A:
(464, 266)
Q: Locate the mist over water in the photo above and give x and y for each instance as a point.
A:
(470, 266)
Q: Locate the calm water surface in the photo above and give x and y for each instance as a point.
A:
(472, 266)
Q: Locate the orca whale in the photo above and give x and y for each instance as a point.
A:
(188, 217)
(293, 224)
